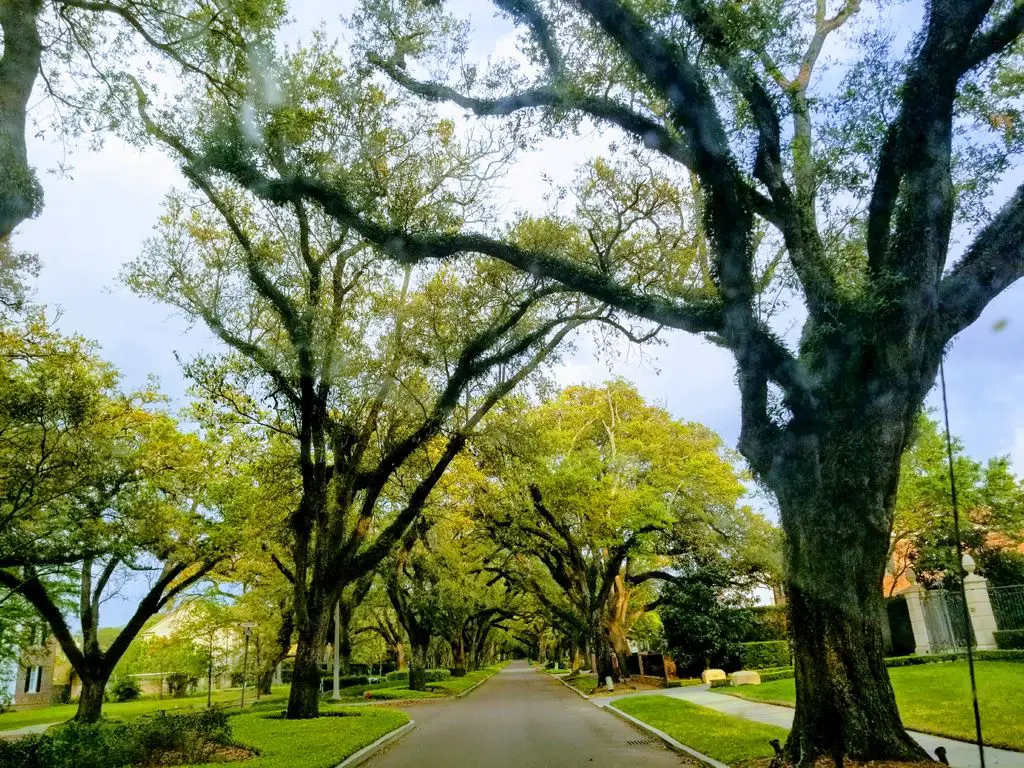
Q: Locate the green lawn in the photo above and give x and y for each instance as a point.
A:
(936, 698)
(732, 740)
(58, 714)
(456, 685)
(320, 743)
(583, 683)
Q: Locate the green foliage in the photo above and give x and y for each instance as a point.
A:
(990, 497)
(768, 675)
(704, 618)
(402, 675)
(1010, 639)
(125, 689)
(192, 737)
(766, 622)
(437, 675)
(181, 684)
(765, 655)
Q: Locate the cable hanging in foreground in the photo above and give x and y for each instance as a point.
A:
(960, 566)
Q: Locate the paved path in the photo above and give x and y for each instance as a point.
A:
(521, 719)
(961, 754)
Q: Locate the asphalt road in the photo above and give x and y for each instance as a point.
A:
(521, 718)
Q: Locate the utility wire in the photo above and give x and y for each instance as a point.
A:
(960, 566)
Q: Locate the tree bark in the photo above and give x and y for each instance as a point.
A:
(90, 703)
(418, 665)
(304, 698)
(459, 663)
(837, 521)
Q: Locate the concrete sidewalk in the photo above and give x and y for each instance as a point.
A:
(961, 754)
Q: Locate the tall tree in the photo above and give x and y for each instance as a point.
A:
(145, 514)
(862, 188)
(601, 469)
(376, 374)
(991, 500)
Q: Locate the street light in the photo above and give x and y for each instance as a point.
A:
(247, 627)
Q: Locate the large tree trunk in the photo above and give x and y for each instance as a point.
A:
(602, 652)
(837, 520)
(459, 665)
(304, 698)
(90, 703)
(418, 664)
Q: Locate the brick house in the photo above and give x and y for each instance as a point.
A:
(37, 663)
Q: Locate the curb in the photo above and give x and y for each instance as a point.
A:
(474, 686)
(668, 740)
(370, 750)
(577, 691)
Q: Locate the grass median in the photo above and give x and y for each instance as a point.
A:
(322, 742)
(936, 698)
(732, 740)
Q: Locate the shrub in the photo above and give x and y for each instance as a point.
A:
(403, 675)
(437, 675)
(180, 684)
(765, 654)
(1010, 639)
(721, 683)
(776, 674)
(192, 738)
(125, 689)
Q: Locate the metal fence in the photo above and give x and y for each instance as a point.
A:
(946, 620)
(1008, 606)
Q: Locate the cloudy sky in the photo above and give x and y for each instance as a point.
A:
(96, 218)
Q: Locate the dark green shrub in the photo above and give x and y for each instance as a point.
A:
(193, 738)
(1016, 656)
(766, 622)
(195, 735)
(181, 684)
(1010, 639)
(721, 683)
(437, 675)
(402, 675)
(776, 674)
(766, 654)
(125, 689)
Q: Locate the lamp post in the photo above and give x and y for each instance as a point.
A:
(247, 629)
(337, 654)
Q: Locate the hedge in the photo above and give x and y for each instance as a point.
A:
(765, 654)
(398, 675)
(187, 738)
(1010, 639)
(437, 675)
(777, 674)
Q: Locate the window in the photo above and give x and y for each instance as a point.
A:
(33, 679)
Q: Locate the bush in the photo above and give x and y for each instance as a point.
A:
(125, 689)
(721, 683)
(403, 675)
(777, 674)
(437, 675)
(1010, 639)
(180, 684)
(766, 622)
(765, 654)
(1016, 656)
(193, 738)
